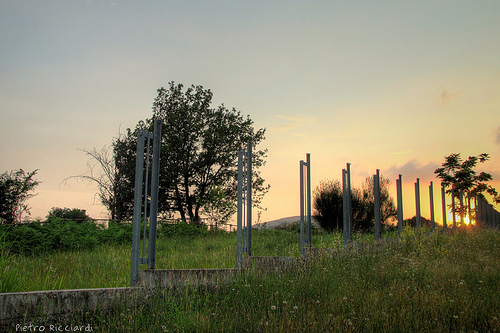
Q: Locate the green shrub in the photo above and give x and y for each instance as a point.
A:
(180, 229)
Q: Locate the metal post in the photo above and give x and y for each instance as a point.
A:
(239, 216)
(469, 209)
(345, 228)
(376, 205)
(454, 218)
(431, 198)
(399, 190)
(136, 223)
(461, 198)
(349, 209)
(249, 197)
(476, 211)
(302, 231)
(148, 141)
(443, 205)
(155, 179)
(417, 204)
(308, 189)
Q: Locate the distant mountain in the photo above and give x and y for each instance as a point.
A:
(281, 222)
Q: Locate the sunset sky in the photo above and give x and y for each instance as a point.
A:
(389, 85)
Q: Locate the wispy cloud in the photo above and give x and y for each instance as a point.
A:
(446, 97)
(412, 170)
(298, 119)
(497, 135)
(289, 126)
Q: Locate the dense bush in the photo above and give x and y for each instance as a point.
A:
(180, 229)
(62, 234)
(74, 214)
(58, 234)
(328, 205)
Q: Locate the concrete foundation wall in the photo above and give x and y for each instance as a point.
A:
(269, 265)
(16, 307)
(179, 278)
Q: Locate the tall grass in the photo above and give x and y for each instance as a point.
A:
(108, 265)
(427, 283)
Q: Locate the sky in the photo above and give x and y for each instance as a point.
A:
(389, 85)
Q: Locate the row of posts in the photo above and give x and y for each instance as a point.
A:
(244, 188)
(399, 190)
(140, 217)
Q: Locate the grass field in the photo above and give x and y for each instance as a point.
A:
(433, 283)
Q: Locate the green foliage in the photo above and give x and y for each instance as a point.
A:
(9, 279)
(328, 203)
(74, 214)
(199, 150)
(15, 189)
(461, 176)
(57, 235)
(180, 229)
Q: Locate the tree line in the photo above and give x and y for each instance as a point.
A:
(198, 160)
(459, 177)
(198, 169)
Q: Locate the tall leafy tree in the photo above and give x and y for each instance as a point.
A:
(462, 177)
(198, 163)
(16, 188)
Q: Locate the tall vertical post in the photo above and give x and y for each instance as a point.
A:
(431, 198)
(249, 197)
(477, 221)
(469, 209)
(155, 179)
(239, 215)
(453, 211)
(417, 204)
(308, 189)
(461, 198)
(349, 209)
(302, 231)
(376, 204)
(136, 222)
(345, 227)
(399, 190)
(443, 204)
